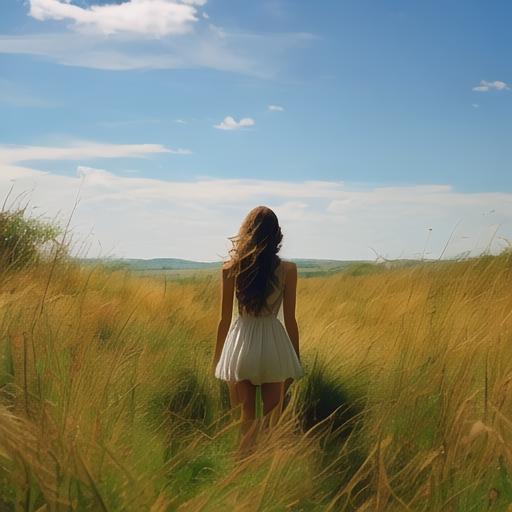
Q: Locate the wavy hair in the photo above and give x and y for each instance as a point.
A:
(253, 258)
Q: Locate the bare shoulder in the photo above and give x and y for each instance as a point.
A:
(289, 264)
(290, 268)
(226, 269)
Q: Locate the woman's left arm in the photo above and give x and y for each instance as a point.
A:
(226, 311)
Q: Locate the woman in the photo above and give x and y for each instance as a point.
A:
(257, 349)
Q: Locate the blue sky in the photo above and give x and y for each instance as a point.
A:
(365, 123)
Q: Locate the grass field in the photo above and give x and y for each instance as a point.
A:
(107, 399)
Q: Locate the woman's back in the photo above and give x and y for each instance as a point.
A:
(258, 347)
(275, 298)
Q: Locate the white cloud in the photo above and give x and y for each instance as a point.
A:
(148, 18)
(82, 150)
(229, 123)
(486, 86)
(137, 216)
(275, 108)
(250, 54)
(475, 105)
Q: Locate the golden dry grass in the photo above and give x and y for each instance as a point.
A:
(108, 401)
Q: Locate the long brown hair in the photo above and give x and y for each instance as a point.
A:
(254, 258)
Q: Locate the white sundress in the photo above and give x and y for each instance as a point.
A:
(258, 348)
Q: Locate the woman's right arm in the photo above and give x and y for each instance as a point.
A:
(226, 309)
(289, 301)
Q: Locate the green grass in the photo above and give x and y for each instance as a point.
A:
(107, 400)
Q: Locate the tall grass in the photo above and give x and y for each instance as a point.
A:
(107, 400)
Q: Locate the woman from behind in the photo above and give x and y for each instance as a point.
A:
(256, 349)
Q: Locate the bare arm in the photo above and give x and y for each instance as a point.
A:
(289, 301)
(226, 311)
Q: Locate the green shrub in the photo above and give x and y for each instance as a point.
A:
(25, 240)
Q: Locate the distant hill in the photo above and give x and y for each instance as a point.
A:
(309, 263)
(176, 268)
(305, 266)
(138, 264)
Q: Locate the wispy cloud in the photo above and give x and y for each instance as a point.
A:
(245, 53)
(229, 123)
(275, 108)
(485, 86)
(82, 150)
(147, 18)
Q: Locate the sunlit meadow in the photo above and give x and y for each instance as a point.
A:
(108, 400)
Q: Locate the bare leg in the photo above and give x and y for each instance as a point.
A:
(248, 428)
(234, 398)
(272, 394)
